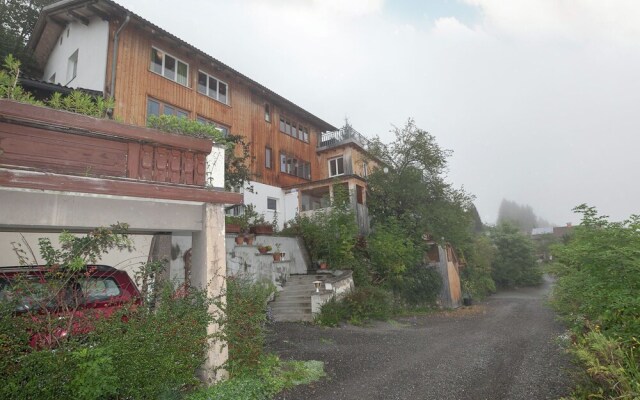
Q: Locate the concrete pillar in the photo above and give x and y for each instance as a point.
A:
(209, 271)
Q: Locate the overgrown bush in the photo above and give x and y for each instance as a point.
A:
(514, 263)
(392, 252)
(139, 351)
(419, 285)
(330, 235)
(244, 325)
(597, 291)
(476, 275)
(359, 306)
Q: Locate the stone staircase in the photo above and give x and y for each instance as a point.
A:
(293, 303)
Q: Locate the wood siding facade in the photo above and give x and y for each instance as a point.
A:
(244, 114)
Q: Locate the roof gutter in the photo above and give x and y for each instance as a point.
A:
(114, 59)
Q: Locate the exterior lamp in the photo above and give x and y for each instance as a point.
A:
(317, 284)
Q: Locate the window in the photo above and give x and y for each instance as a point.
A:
(212, 87)
(294, 129)
(155, 107)
(294, 166)
(267, 157)
(359, 194)
(169, 67)
(272, 204)
(267, 113)
(72, 66)
(99, 289)
(336, 166)
(220, 127)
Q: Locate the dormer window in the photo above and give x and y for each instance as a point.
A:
(336, 166)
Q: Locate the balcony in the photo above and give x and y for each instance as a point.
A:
(345, 135)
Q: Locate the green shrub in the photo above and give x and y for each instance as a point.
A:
(391, 252)
(597, 290)
(244, 325)
(359, 306)
(514, 263)
(420, 285)
(140, 352)
(476, 275)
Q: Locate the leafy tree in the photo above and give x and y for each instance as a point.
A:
(17, 21)
(515, 262)
(414, 191)
(476, 275)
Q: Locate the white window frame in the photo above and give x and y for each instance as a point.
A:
(335, 160)
(162, 71)
(217, 91)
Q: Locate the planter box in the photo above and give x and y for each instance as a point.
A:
(232, 228)
(261, 229)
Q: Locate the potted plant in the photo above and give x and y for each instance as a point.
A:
(278, 255)
(323, 264)
(248, 239)
(232, 224)
(264, 249)
(240, 239)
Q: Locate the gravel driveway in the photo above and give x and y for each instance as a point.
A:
(502, 348)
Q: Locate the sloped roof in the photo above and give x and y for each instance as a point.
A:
(54, 18)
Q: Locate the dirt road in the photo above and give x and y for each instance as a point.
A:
(503, 348)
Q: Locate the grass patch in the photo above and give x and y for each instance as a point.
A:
(271, 378)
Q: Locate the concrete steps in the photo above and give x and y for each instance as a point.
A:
(293, 303)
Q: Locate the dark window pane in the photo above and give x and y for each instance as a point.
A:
(170, 67)
(332, 168)
(283, 163)
(288, 128)
(202, 83)
(213, 87)
(153, 108)
(267, 157)
(156, 61)
(340, 162)
(267, 113)
(168, 110)
(282, 125)
(182, 114)
(222, 92)
(182, 73)
(294, 131)
(272, 204)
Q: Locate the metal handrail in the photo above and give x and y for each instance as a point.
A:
(345, 133)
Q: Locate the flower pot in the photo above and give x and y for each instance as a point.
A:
(278, 256)
(323, 265)
(249, 240)
(239, 240)
(263, 249)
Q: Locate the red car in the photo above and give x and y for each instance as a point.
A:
(61, 303)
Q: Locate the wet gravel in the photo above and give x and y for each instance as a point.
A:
(503, 348)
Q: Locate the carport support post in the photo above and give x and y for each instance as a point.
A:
(209, 271)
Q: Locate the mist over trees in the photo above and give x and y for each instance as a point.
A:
(520, 216)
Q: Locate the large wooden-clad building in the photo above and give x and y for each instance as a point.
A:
(102, 46)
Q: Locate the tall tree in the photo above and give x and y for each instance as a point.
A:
(411, 188)
(520, 216)
(17, 20)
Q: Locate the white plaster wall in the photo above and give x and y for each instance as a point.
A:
(128, 261)
(243, 258)
(290, 205)
(215, 167)
(259, 199)
(92, 42)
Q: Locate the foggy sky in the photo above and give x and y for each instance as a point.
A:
(538, 99)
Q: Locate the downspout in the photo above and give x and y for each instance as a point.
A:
(114, 59)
